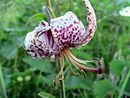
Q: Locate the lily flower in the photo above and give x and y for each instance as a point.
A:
(60, 35)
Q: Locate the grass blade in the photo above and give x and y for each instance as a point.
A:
(2, 86)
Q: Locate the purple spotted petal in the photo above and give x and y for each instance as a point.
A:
(91, 28)
(39, 43)
(63, 32)
(67, 29)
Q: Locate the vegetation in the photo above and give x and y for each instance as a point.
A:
(23, 77)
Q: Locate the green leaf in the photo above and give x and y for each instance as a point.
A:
(75, 82)
(46, 79)
(81, 54)
(102, 88)
(38, 15)
(42, 65)
(127, 88)
(116, 67)
(45, 95)
(8, 51)
(126, 51)
(128, 63)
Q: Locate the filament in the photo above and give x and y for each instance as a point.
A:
(96, 70)
(73, 72)
(75, 58)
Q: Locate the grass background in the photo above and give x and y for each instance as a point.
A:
(24, 77)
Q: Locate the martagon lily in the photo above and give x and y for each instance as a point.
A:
(58, 36)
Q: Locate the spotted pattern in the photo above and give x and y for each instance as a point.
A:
(91, 28)
(66, 31)
(39, 43)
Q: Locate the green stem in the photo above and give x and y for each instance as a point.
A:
(61, 80)
(52, 13)
(48, 2)
(124, 84)
(62, 85)
(2, 86)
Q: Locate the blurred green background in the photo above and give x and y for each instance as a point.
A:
(25, 77)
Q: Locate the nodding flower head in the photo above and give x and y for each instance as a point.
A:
(61, 34)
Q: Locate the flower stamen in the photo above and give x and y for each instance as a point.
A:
(75, 58)
(84, 74)
(73, 72)
(80, 70)
(71, 68)
(95, 70)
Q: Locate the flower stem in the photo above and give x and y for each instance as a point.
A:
(61, 80)
(49, 3)
(62, 85)
(124, 84)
